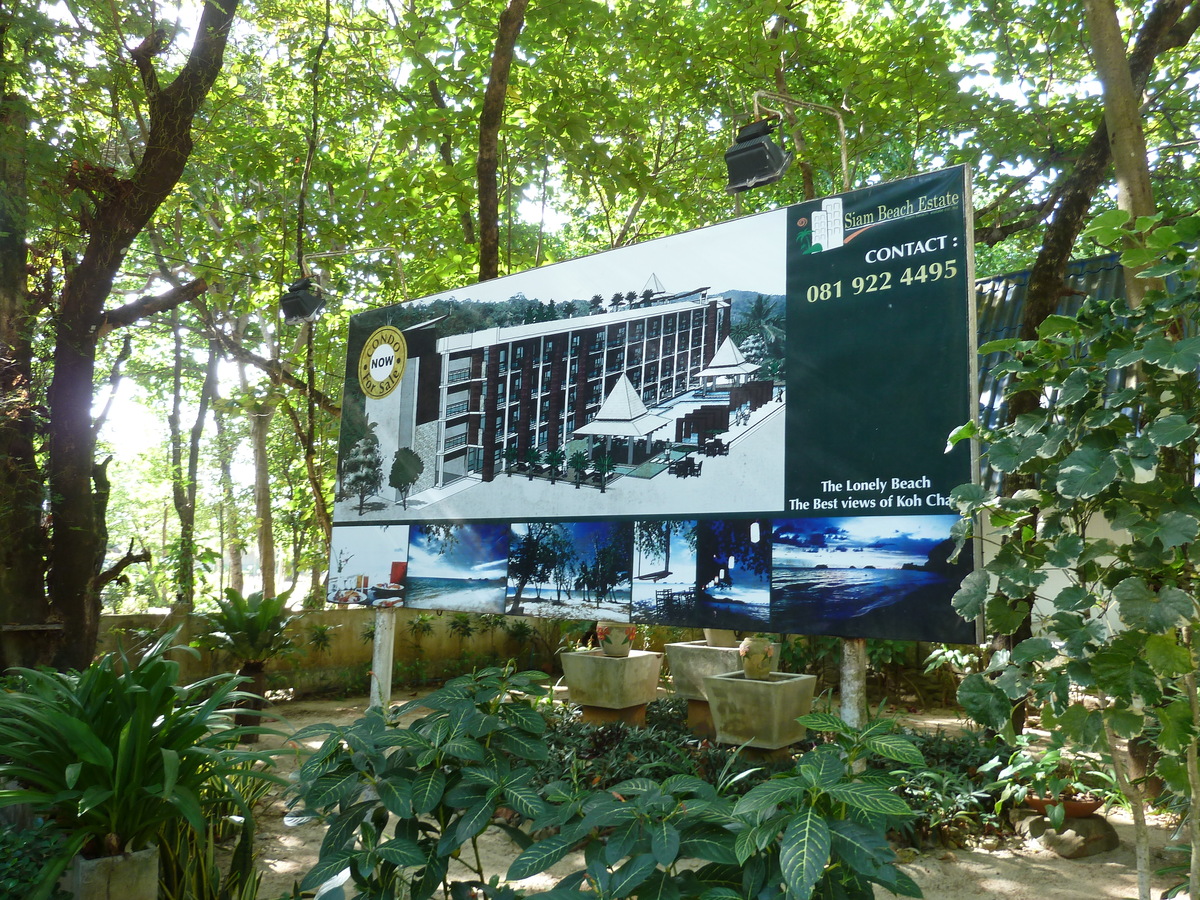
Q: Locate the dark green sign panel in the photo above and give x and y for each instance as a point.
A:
(878, 348)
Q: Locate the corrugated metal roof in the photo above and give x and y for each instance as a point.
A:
(1000, 302)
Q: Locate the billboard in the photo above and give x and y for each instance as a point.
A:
(741, 426)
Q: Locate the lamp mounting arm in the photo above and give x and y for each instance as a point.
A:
(306, 272)
(795, 103)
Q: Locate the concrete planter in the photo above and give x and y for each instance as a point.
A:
(131, 876)
(693, 661)
(611, 682)
(759, 713)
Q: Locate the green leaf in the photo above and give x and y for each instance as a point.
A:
(628, 877)
(1075, 388)
(1038, 649)
(1170, 529)
(1121, 670)
(1181, 357)
(895, 747)
(711, 843)
(961, 433)
(1166, 656)
(1004, 617)
(401, 852)
(863, 849)
(427, 790)
(804, 852)
(395, 793)
(824, 722)
(1009, 454)
(327, 867)
(1176, 724)
(984, 702)
(1056, 325)
(1125, 722)
(1170, 431)
(1085, 473)
(968, 600)
(541, 856)
(771, 793)
(1141, 608)
(521, 745)
(664, 842)
(872, 798)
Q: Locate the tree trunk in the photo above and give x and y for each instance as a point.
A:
(1123, 122)
(113, 213)
(490, 119)
(22, 552)
(231, 525)
(260, 425)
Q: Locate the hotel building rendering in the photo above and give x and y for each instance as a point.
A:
(533, 386)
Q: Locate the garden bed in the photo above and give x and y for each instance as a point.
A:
(1013, 871)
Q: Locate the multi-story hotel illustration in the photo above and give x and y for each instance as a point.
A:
(627, 384)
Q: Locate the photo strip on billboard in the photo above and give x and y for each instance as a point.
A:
(678, 411)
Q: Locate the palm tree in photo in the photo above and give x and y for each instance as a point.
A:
(579, 462)
(554, 459)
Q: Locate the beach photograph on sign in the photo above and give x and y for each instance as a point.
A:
(463, 567)
(742, 427)
(878, 576)
(570, 570)
(644, 381)
(664, 572)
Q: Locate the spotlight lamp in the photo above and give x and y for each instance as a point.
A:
(302, 302)
(755, 159)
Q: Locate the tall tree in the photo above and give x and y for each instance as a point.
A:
(112, 208)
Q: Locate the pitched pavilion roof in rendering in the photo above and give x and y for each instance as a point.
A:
(623, 414)
(728, 362)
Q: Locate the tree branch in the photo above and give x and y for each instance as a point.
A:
(491, 117)
(148, 305)
(113, 572)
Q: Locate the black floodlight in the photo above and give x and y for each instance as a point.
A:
(302, 302)
(755, 159)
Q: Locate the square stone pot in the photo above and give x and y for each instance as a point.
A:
(693, 661)
(130, 876)
(759, 713)
(611, 682)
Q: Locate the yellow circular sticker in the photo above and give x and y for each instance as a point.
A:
(382, 361)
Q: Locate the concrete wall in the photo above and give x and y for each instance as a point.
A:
(344, 667)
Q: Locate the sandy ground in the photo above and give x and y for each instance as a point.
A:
(1017, 871)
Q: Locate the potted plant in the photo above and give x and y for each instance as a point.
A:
(1052, 783)
(114, 753)
(253, 630)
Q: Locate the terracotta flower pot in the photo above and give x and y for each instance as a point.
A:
(1074, 808)
(757, 653)
(616, 638)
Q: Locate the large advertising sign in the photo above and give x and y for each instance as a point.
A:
(739, 427)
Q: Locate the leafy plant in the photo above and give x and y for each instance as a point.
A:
(25, 853)
(420, 626)
(819, 829)
(402, 803)
(253, 630)
(250, 628)
(1052, 774)
(462, 625)
(1109, 451)
(320, 636)
(117, 752)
